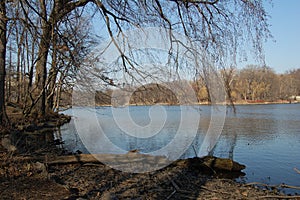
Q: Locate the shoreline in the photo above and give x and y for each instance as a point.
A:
(192, 104)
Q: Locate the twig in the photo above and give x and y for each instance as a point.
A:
(289, 186)
(171, 195)
(176, 188)
(175, 185)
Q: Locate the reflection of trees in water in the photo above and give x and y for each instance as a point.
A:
(251, 125)
(232, 144)
(69, 138)
(253, 128)
(225, 146)
(254, 131)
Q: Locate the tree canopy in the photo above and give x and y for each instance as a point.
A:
(50, 38)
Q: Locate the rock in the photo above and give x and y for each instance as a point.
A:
(223, 164)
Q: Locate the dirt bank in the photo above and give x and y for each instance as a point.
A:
(184, 179)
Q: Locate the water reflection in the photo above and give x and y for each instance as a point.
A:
(263, 137)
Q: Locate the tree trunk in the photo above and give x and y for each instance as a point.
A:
(58, 95)
(41, 72)
(51, 91)
(39, 92)
(19, 63)
(57, 14)
(52, 76)
(8, 82)
(3, 25)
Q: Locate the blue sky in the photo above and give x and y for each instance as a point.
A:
(284, 53)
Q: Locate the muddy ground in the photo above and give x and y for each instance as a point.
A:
(21, 179)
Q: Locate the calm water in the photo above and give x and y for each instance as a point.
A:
(266, 138)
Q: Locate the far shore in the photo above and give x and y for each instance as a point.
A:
(200, 103)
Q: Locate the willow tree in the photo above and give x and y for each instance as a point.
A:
(225, 29)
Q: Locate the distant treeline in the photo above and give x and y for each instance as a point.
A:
(252, 84)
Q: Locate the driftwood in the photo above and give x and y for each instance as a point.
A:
(107, 159)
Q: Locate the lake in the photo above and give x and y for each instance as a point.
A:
(266, 138)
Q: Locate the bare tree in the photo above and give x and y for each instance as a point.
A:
(49, 20)
(215, 25)
(3, 26)
(257, 83)
(289, 84)
(228, 75)
(69, 51)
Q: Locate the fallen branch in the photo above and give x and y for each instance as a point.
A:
(93, 158)
(109, 158)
